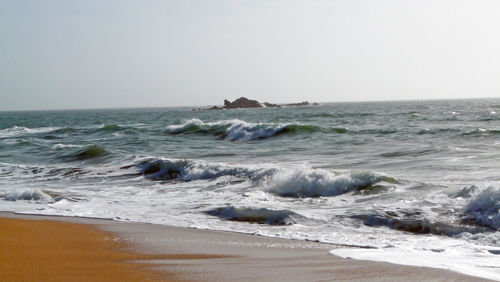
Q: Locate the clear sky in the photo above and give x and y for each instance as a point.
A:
(118, 53)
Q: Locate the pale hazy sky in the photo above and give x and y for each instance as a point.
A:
(88, 54)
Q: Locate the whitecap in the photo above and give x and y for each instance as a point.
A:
(27, 195)
(304, 182)
(62, 146)
(17, 131)
(484, 206)
(238, 130)
(298, 181)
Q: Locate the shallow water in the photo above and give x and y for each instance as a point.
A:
(409, 179)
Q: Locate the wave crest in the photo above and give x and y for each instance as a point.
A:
(17, 131)
(185, 170)
(238, 130)
(318, 182)
(483, 207)
(87, 153)
(27, 195)
(298, 182)
(111, 127)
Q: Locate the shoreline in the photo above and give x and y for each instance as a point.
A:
(170, 253)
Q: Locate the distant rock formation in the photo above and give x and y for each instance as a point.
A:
(269, 105)
(243, 102)
(305, 103)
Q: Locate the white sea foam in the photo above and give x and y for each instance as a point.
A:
(304, 182)
(467, 261)
(16, 131)
(27, 195)
(295, 181)
(243, 131)
(484, 205)
(62, 146)
(471, 249)
(19, 170)
(188, 170)
(255, 191)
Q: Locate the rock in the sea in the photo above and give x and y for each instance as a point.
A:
(270, 105)
(241, 102)
(305, 103)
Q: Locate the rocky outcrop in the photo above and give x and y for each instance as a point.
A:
(305, 103)
(241, 102)
(269, 105)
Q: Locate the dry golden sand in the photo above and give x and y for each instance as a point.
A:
(40, 250)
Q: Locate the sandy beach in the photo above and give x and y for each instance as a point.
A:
(51, 248)
(249, 140)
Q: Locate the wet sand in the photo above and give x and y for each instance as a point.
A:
(51, 248)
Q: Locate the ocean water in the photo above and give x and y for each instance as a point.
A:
(414, 183)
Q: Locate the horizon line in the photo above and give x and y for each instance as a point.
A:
(211, 105)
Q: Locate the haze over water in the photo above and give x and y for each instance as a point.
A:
(410, 179)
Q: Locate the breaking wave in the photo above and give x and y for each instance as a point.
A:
(253, 215)
(238, 130)
(483, 208)
(480, 214)
(300, 182)
(186, 170)
(27, 195)
(303, 183)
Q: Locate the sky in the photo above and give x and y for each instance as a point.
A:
(119, 53)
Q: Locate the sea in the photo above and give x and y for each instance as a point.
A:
(414, 182)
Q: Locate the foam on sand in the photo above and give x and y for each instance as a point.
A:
(474, 263)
